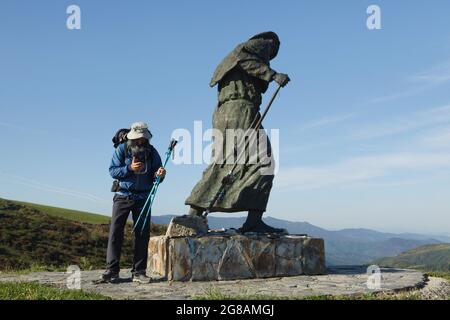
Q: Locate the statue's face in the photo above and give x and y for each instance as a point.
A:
(275, 46)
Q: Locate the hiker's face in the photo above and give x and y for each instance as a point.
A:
(140, 142)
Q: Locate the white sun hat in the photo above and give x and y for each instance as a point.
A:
(139, 130)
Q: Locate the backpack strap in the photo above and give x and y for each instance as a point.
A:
(126, 147)
(125, 150)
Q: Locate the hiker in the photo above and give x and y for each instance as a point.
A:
(135, 164)
(242, 77)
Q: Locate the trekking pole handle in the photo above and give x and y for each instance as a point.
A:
(172, 144)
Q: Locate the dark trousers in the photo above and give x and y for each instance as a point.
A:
(121, 210)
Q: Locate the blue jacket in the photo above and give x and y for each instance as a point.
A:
(137, 186)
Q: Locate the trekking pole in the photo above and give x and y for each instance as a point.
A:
(169, 151)
(154, 189)
(228, 179)
(172, 144)
(143, 208)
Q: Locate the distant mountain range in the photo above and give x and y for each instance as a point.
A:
(432, 257)
(342, 247)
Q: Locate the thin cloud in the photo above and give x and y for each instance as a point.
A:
(34, 131)
(399, 95)
(326, 121)
(435, 76)
(358, 169)
(400, 183)
(436, 138)
(10, 125)
(405, 123)
(52, 189)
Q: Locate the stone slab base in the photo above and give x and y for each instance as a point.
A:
(218, 257)
(351, 280)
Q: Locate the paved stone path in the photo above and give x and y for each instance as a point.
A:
(436, 289)
(338, 281)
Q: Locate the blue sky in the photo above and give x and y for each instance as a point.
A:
(364, 123)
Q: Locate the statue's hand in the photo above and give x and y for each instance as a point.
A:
(281, 78)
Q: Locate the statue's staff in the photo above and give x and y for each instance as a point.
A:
(229, 178)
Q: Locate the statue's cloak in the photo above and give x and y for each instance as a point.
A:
(242, 77)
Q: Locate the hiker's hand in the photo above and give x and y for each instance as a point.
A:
(161, 173)
(136, 166)
(281, 78)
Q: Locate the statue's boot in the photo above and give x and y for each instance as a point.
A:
(195, 211)
(198, 212)
(254, 223)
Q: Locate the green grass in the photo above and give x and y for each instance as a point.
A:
(69, 214)
(443, 275)
(214, 293)
(33, 268)
(33, 291)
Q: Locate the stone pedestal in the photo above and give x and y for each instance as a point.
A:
(230, 257)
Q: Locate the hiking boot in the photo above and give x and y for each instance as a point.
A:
(110, 276)
(255, 224)
(141, 278)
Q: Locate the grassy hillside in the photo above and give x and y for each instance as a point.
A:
(30, 237)
(433, 257)
(74, 215)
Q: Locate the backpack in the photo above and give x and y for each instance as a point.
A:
(119, 138)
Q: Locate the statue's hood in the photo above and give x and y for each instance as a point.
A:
(266, 43)
(262, 47)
